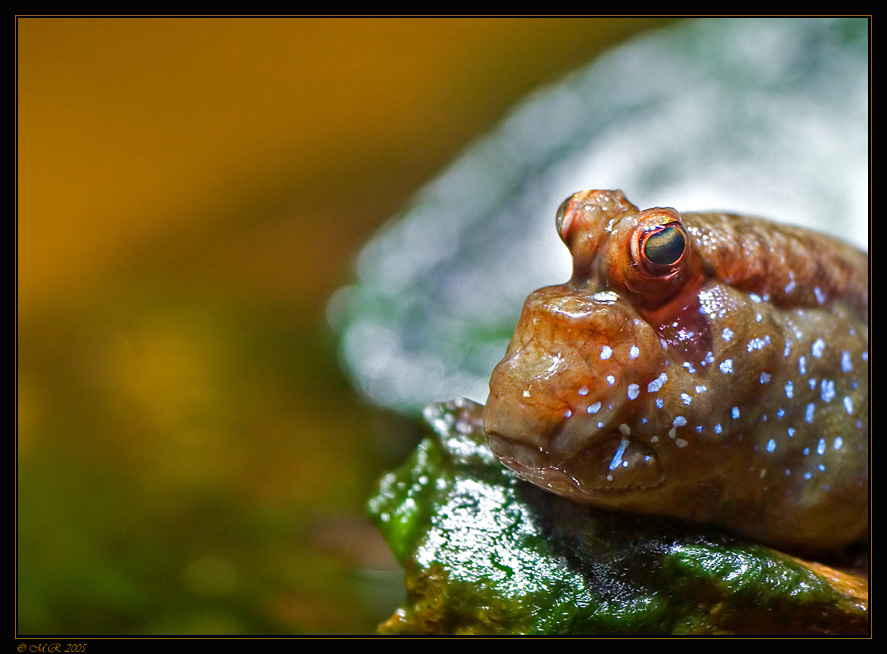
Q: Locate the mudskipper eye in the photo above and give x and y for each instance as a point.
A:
(561, 213)
(664, 246)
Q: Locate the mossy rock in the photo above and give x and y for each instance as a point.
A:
(486, 553)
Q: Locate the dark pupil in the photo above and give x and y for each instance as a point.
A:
(561, 212)
(664, 247)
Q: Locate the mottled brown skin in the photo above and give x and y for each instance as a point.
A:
(709, 367)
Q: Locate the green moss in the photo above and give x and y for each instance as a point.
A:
(484, 553)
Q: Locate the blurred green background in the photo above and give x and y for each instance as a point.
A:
(190, 191)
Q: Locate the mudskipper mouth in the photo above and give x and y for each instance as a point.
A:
(616, 464)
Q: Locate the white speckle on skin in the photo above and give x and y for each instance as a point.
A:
(606, 352)
(848, 404)
(686, 399)
(727, 334)
(568, 413)
(611, 380)
(657, 383)
(802, 365)
(659, 402)
(679, 421)
(846, 361)
(838, 442)
(593, 408)
(726, 366)
(700, 389)
(634, 352)
(817, 347)
(820, 447)
(808, 413)
(827, 391)
(764, 378)
(583, 390)
(789, 389)
(758, 343)
(821, 297)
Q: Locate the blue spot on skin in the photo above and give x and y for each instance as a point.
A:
(820, 447)
(789, 389)
(846, 363)
(617, 458)
(771, 445)
(848, 404)
(735, 412)
(817, 347)
(838, 442)
(808, 414)
(827, 390)
(764, 378)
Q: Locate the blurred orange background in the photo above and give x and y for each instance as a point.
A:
(190, 191)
